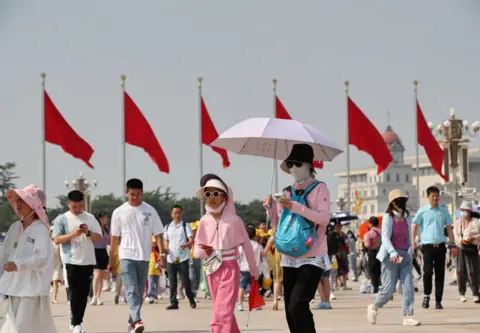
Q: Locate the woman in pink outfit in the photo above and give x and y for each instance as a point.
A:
(219, 235)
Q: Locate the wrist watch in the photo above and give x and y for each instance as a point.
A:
(89, 233)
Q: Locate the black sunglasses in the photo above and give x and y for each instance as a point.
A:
(290, 164)
(214, 194)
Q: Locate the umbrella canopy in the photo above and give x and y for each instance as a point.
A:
(342, 217)
(274, 138)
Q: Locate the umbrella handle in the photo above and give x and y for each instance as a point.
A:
(274, 168)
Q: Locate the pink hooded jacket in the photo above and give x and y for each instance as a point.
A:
(231, 234)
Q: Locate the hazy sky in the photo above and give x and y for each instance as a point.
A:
(238, 47)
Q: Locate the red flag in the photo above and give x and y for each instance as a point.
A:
(210, 134)
(363, 135)
(431, 146)
(255, 300)
(282, 113)
(59, 132)
(138, 133)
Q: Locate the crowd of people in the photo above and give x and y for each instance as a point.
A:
(303, 253)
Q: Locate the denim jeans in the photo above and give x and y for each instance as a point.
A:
(391, 273)
(352, 259)
(134, 275)
(152, 291)
(195, 273)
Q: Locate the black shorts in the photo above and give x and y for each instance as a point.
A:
(101, 256)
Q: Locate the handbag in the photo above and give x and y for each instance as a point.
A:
(214, 260)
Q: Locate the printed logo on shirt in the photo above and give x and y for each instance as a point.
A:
(31, 240)
(146, 218)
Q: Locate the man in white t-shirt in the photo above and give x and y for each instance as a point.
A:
(76, 230)
(133, 224)
(178, 241)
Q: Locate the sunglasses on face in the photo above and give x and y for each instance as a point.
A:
(212, 194)
(290, 164)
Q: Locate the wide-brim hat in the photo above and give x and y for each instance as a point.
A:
(33, 197)
(301, 152)
(215, 183)
(466, 206)
(395, 194)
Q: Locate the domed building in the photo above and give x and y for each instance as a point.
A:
(373, 188)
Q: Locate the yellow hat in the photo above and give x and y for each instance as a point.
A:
(194, 225)
(153, 239)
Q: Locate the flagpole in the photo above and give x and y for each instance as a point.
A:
(200, 156)
(347, 148)
(274, 81)
(417, 157)
(123, 77)
(44, 143)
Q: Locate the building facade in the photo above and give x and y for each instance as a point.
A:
(401, 174)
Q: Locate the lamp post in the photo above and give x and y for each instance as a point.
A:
(341, 203)
(83, 185)
(454, 136)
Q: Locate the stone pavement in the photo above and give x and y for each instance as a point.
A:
(349, 315)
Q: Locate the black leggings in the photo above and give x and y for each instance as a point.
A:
(299, 287)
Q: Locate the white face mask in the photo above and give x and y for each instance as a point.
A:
(217, 210)
(300, 174)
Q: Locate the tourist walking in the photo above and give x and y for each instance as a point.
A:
(307, 201)
(371, 242)
(135, 222)
(76, 230)
(218, 238)
(395, 255)
(467, 238)
(352, 253)
(100, 272)
(432, 220)
(26, 265)
(178, 241)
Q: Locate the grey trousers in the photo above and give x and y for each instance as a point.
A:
(467, 269)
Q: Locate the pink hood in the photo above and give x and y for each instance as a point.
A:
(227, 234)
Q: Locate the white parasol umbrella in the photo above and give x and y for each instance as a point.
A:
(274, 138)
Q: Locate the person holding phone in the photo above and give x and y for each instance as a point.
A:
(395, 255)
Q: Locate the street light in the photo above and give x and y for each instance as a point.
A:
(454, 135)
(83, 185)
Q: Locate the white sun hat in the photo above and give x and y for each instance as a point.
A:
(215, 183)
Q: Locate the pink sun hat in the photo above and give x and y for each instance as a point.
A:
(33, 197)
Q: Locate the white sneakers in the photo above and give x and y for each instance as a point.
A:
(372, 313)
(463, 299)
(77, 329)
(96, 301)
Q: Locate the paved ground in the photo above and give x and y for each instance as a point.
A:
(349, 315)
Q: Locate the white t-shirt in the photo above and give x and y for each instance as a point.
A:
(177, 235)
(242, 261)
(80, 250)
(136, 226)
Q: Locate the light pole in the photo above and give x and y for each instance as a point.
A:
(454, 136)
(83, 185)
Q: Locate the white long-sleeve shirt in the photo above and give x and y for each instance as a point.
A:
(33, 255)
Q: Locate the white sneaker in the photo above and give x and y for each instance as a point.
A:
(409, 321)
(93, 301)
(82, 330)
(138, 328)
(463, 299)
(372, 314)
(332, 296)
(78, 329)
(99, 302)
(239, 307)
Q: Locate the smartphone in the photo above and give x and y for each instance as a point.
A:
(276, 197)
(400, 259)
(84, 226)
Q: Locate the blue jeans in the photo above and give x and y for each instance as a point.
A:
(134, 275)
(195, 273)
(152, 291)
(352, 258)
(391, 273)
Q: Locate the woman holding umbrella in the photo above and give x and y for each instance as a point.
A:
(301, 274)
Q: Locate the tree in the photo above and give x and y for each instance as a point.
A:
(7, 178)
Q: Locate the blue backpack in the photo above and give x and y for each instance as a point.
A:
(295, 234)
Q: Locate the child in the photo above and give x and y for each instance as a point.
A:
(220, 234)
(153, 274)
(245, 276)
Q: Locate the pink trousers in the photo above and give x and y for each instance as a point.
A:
(224, 285)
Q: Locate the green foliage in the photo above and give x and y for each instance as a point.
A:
(162, 199)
